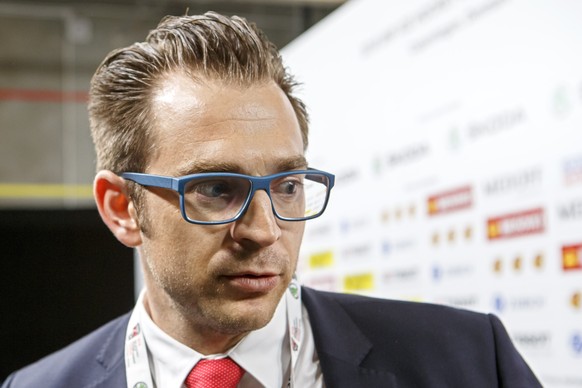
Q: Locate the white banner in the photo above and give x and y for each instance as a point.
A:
(454, 129)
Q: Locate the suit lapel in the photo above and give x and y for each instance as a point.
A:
(341, 345)
(110, 358)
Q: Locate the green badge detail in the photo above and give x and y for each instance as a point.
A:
(294, 290)
(140, 385)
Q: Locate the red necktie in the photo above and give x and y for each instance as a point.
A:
(220, 373)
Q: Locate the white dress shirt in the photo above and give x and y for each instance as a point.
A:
(264, 354)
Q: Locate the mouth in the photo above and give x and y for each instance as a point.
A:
(253, 282)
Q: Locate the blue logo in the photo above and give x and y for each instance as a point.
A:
(577, 343)
(386, 247)
(499, 303)
(345, 226)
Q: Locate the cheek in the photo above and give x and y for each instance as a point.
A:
(293, 233)
(180, 250)
(175, 267)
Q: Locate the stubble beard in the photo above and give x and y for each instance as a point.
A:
(193, 306)
(207, 310)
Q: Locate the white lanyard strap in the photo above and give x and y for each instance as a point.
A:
(295, 323)
(137, 366)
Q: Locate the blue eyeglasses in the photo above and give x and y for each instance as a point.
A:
(223, 197)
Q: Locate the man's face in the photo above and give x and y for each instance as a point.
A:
(222, 278)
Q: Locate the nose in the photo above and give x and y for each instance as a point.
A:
(258, 226)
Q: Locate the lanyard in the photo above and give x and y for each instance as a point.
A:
(137, 364)
(294, 323)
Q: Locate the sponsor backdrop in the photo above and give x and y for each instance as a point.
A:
(455, 131)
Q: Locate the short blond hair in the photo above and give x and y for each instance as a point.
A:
(212, 46)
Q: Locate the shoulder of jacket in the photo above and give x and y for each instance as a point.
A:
(99, 352)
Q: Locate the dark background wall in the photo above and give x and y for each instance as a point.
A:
(62, 274)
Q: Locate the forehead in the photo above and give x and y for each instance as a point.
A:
(252, 128)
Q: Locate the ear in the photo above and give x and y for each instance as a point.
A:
(116, 209)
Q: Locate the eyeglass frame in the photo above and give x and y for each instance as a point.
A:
(178, 184)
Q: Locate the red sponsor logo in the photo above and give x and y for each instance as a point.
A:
(516, 224)
(449, 201)
(325, 282)
(572, 257)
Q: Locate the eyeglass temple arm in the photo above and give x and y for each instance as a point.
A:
(151, 180)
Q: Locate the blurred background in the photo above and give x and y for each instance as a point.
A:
(454, 129)
(62, 272)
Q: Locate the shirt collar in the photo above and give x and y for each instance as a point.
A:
(171, 361)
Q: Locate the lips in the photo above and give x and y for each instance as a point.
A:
(253, 283)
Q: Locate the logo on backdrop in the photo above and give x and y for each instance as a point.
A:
(355, 224)
(318, 230)
(400, 276)
(359, 282)
(398, 213)
(539, 261)
(572, 257)
(515, 182)
(572, 170)
(570, 211)
(321, 260)
(449, 201)
(576, 300)
(497, 123)
(407, 155)
(391, 247)
(561, 101)
(499, 303)
(322, 282)
(515, 304)
(461, 301)
(451, 235)
(498, 265)
(516, 224)
(518, 263)
(361, 251)
(346, 177)
(440, 272)
(576, 343)
(533, 341)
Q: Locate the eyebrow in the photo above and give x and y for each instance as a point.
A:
(202, 166)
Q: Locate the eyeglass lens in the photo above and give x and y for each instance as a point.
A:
(215, 199)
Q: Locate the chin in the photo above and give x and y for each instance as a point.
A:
(248, 315)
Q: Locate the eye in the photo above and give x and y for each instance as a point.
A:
(289, 186)
(212, 189)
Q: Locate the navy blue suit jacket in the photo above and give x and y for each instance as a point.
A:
(361, 342)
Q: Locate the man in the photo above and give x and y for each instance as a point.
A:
(200, 148)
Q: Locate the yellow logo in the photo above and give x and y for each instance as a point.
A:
(517, 263)
(451, 236)
(575, 300)
(492, 230)
(571, 257)
(321, 260)
(359, 282)
(539, 260)
(435, 238)
(468, 232)
(432, 206)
